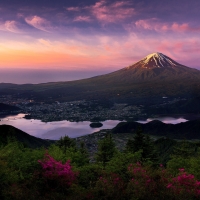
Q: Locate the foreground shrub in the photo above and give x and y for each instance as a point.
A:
(56, 171)
(140, 184)
(184, 186)
(89, 175)
(109, 186)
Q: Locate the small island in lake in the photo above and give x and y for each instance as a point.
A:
(96, 124)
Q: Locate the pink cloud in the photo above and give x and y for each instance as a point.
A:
(110, 52)
(11, 26)
(180, 46)
(184, 27)
(184, 51)
(105, 52)
(146, 24)
(73, 9)
(83, 19)
(105, 12)
(154, 24)
(38, 23)
(178, 27)
(133, 48)
(111, 13)
(45, 42)
(20, 15)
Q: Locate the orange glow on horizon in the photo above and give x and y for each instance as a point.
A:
(49, 60)
(105, 53)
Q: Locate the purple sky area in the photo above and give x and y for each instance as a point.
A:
(48, 40)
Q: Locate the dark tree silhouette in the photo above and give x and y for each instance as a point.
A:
(106, 150)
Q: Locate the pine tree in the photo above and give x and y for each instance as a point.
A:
(129, 146)
(144, 143)
(84, 152)
(106, 150)
(149, 150)
(137, 143)
(65, 142)
(185, 150)
(138, 140)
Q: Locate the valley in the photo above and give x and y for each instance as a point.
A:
(82, 111)
(95, 110)
(154, 86)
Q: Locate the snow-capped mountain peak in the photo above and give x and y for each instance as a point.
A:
(157, 66)
(157, 60)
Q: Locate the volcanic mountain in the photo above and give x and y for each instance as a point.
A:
(153, 76)
(155, 66)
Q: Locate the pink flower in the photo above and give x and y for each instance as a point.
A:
(55, 169)
(148, 181)
(169, 185)
(181, 169)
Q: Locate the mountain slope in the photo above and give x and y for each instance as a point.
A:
(153, 76)
(7, 131)
(8, 108)
(186, 130)
(155, 66)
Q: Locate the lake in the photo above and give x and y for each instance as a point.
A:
(54, 130)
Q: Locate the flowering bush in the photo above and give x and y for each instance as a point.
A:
(141, 183)
(53, 169)
(184, 185)
(110, 186)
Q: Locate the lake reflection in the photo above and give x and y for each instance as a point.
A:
(166, 120)
(54, 130)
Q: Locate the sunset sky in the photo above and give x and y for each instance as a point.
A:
(49, 40)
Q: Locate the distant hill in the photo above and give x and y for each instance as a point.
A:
(8, 108)
(7, 131)
(186, 130)
(156, 75)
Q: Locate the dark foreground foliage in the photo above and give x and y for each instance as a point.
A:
(63, 171)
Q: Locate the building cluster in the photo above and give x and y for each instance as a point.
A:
(80, 111)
